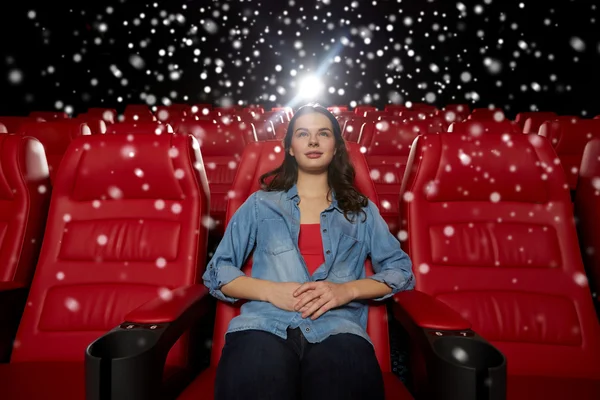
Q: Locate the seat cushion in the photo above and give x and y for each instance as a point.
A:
(42, 380)
(551, 388)
(203, 387)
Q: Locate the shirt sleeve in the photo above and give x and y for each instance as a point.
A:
(233, 250)
(391, 264)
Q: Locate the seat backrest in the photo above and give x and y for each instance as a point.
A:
(13, 124)
(24, 201)
(587, 211)
(124, 227)
(569, 139)
(495, 114)
(108, 115)
(49, 115)
(353, 127)
(522, 117)
(491, 234)
(362, 110)
(221, 149)
(257, 159)
(97, 125)
(478, 127)
(55, 136)
(138, 113)
(150, 128)
(387, 155)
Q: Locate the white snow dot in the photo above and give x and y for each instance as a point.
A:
(449, 231)
(102, 240)
(460, 354)
(159, 204)
(161, 262)
(402, 235)
(60, 275)
(424, 268)
(179, 174)
(580, 279)
(495, 197)
(176, 208)
(165, 294)
(72, 304)
(408, 196)
(67, 217)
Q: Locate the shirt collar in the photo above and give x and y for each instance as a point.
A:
(292, 193)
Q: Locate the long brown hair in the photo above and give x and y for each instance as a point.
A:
(340, 173)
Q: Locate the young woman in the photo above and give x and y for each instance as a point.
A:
(302, 332)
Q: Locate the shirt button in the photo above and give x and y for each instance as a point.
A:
(307, 329)
(324, 230)
(324, 215)
(328, 252)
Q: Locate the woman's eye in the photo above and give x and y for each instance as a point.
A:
(324, 133)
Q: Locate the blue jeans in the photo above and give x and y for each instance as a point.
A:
(260, 365)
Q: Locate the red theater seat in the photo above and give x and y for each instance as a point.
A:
(56, 136)
(257, 159)
(24, 200)
(522, 118)
(387, 154)
(108, 115)
(569, 137)
(13, 124)
(150, 128)
(124, 228)
(221, 150)
(353, 127)
(491, 234)
(479, 114)
(170, 114)
(479, 127)
(138, 113)
(362, 110)
(97, 126)
(49, 115)
(587, 212)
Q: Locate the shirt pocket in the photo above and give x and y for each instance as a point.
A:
(346, 260)
(274, 236)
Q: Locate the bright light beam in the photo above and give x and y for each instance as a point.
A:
(310, 88)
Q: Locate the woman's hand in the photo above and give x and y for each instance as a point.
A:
(281, 295)
(313, 299)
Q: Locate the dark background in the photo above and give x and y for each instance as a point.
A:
(73, 55)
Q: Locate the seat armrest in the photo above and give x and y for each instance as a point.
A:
(13, 296)
(427, 312)
(449, 360)
(128, 362)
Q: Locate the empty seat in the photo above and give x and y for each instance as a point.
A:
(55, 136)
(587, 212)
(170, 114)
(97, 125)
(121, 231)
(540, 116)
(257, 159)
(490, 231)
(569, 137)
(478, 127)
(108, 115)
(337, 109)
(362, 110)
(49, 115)
(138, 113)
(387, 155)
(221, 150)
(13, 124)
(353, 127)
(150, 128)
(24, 201)
(479, 114)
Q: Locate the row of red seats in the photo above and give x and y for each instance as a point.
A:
(134, 204)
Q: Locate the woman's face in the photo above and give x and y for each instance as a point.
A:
(313, 142)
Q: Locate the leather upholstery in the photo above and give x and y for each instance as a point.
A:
(569, 139)
(138, 113)
(537, 119)
(150, 128)
(487, 114)
(24, 201)
(387, 154)
(125, 226)
(478, 127)
(55, 136)
(587, 212)
(491, 234)
(49, 115)
(222, 148)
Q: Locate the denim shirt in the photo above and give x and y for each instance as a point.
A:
(268, 223)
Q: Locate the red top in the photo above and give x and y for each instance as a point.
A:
(310, 244)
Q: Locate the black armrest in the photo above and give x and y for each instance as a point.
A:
(449, 360)
(128, 361)
(13, 297)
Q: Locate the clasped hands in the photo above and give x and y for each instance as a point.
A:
(312, 299)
